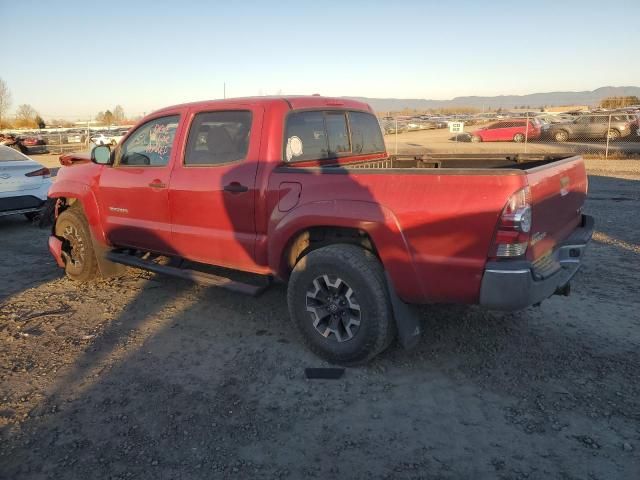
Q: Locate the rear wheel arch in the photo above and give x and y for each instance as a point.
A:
(312, 238)
(365, 224)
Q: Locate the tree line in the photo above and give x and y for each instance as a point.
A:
(27, 117)
(619, 102)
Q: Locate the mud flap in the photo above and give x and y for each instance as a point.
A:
(407, 322)
(106, 267)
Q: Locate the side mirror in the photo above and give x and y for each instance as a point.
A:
(101, 155)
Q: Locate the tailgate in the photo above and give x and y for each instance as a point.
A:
(558, 191)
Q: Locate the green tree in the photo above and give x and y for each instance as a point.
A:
(40, 122)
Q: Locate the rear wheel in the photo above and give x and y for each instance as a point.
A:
(339, 303)
(519, 137)
(561, 136)
(613, 134)
(77, 247)
(476, 139)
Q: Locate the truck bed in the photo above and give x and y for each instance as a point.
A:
(456, 161)
(446, 208)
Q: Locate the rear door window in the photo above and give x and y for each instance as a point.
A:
(218, 137)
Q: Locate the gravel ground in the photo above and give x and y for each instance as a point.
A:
(148, 377)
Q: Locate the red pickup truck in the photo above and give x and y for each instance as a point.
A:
(301, 190)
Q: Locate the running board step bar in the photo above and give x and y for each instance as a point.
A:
(193, 275)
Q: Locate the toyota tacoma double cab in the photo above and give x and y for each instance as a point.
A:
(239, 193)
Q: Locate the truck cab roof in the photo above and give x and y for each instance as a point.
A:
(295, 102)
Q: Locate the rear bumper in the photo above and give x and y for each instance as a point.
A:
(516, 284)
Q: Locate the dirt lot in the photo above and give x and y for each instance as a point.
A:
(148, 377)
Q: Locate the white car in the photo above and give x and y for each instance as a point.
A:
(24, 184)
(103, 139)
(117, 136)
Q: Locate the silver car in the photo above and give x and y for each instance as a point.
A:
(24, 184)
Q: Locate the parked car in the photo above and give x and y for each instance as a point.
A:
(12, 141)
(102, 139)
(301, 189)
(555, 118)
(508, 130)
(117, 136)
(613, 127)
(24, 184)
(632, 118)
(33, 141)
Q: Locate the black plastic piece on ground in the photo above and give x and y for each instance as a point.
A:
(324, 373)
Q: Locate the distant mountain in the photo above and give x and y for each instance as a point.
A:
(534, 100)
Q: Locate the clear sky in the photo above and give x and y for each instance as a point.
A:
(69, 58)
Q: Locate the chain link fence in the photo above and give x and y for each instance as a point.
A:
(60, 141)
(601, 134)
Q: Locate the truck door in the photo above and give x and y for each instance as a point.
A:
(213, 187)
(133, 193)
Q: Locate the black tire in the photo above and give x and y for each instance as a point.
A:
(32, 216)
(560, 135)
(362, 274)
(613, 135)
(519, 138)
(77, 245)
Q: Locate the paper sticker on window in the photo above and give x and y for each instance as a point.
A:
(294, 147)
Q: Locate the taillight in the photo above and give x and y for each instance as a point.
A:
(514, 226)
(43, 172)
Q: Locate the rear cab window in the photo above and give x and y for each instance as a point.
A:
(319, 135)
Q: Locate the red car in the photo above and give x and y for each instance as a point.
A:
(301, 190)
(517, 130)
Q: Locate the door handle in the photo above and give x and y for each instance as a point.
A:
(235, 187)
(157, 184)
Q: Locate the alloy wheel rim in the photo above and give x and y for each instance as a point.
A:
(76, 250)
(333, 308)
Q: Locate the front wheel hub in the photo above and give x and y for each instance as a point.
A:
(333, 308)
(73, 245)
